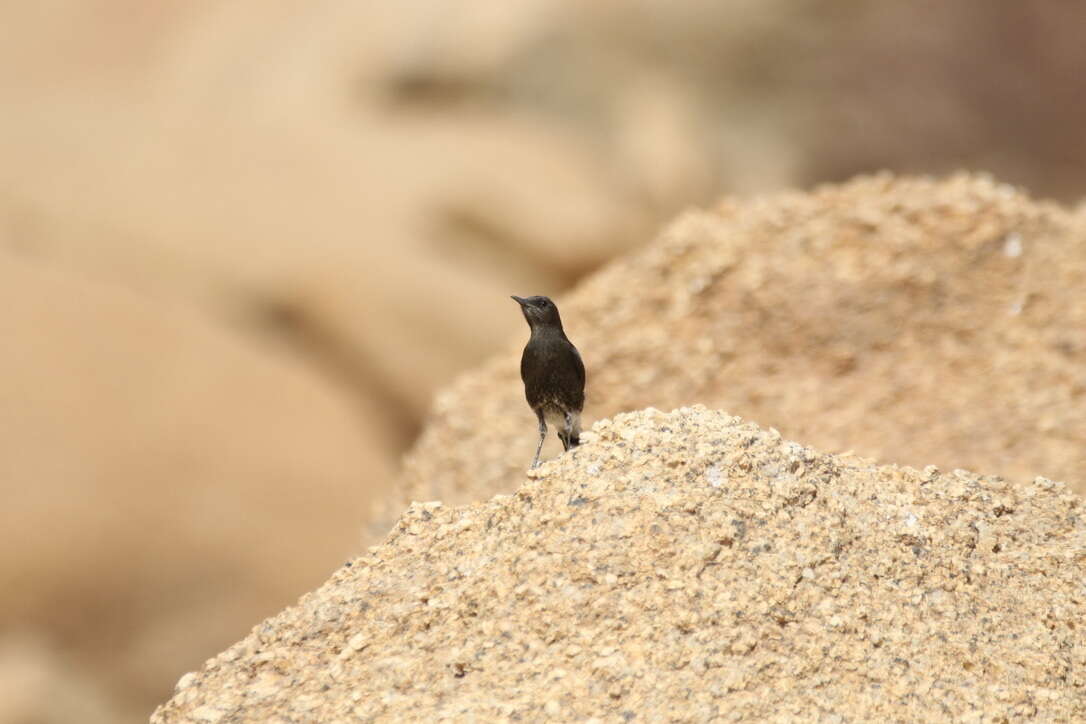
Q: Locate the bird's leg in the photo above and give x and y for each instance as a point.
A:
(542, 437)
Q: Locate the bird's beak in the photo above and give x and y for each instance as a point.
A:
(518, 300)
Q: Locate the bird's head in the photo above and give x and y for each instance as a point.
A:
(539, 311)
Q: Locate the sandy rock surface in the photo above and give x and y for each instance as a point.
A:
(914, 321)
(688, 565)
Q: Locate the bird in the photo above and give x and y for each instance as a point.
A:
(553, 373)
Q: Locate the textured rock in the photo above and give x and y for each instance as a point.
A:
(684, 566)
(911, 320)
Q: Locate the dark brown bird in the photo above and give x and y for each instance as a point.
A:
(553, 373)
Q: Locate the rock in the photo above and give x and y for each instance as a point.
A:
(669, 597)
(883, 316)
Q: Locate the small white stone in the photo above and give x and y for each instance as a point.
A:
(357, 642)
(1012, 245)
(186, 681)
(714, 475)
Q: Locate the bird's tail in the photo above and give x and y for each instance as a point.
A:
(571, 436)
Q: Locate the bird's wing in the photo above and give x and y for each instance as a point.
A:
(574, 386)
(578, 364)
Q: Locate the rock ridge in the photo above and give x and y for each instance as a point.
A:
(914, 320)
(682, 566)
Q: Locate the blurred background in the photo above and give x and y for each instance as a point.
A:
(242, 242)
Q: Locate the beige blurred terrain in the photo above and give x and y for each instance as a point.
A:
(242, 243)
